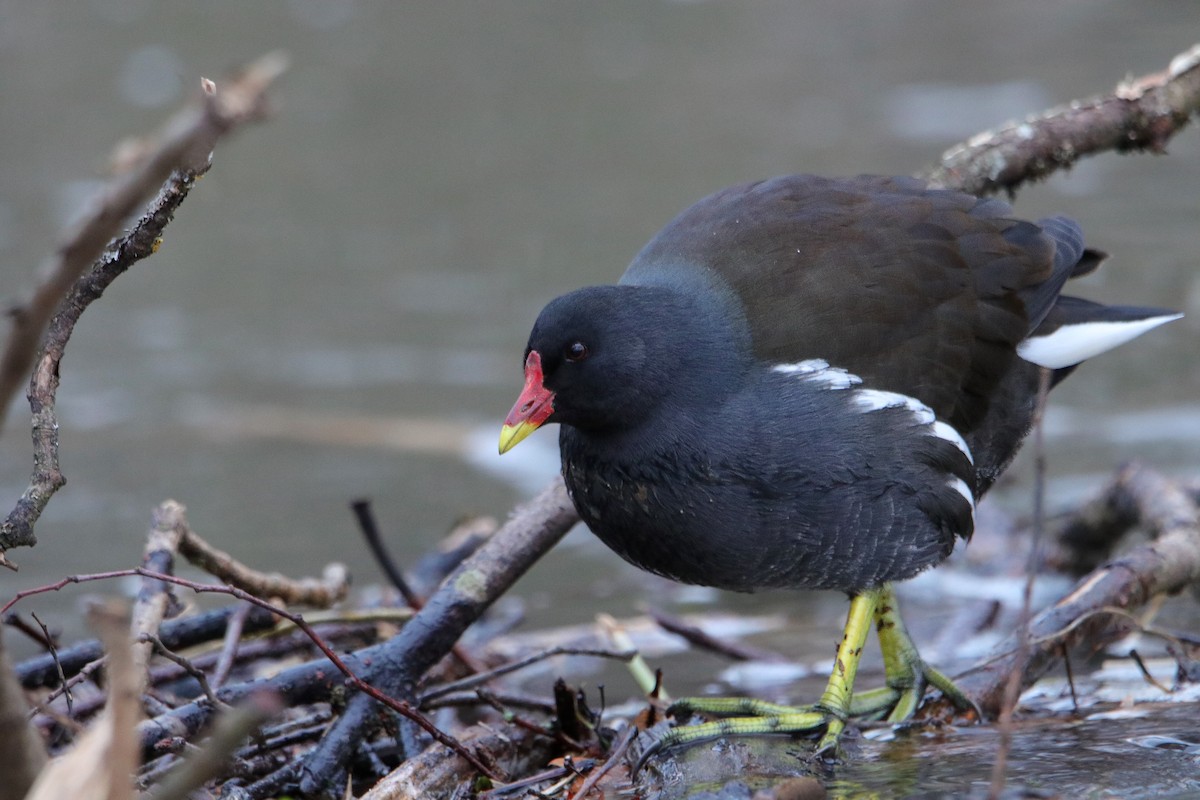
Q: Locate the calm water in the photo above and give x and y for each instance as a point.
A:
(340, 308)
(1096, 758)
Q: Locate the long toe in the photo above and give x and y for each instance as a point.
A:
(950, 691)
(753, 718)
(900, 700)
(908, 675)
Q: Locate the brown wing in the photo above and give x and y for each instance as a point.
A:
(918, 291)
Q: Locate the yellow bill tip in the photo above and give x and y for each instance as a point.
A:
(512, 435)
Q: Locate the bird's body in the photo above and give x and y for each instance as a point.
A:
(771, 505)
(807, 383)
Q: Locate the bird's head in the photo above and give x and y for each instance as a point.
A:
(606, 357)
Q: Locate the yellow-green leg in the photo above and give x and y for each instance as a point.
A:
(907, 673)
(748, 717)
(907, 677)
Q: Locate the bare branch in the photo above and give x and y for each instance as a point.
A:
(181, 154)
(1169, 564)
(231, 729)
(184, 144)
(155, 602)
(1140, 114)
(321, 592)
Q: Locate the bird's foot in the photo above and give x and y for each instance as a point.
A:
(908, 676)
(746, 717)
(899, 700)
(740, 716)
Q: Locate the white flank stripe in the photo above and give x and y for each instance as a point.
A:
(1072, 344)
(868, 400)
(947, 432)
(819, 371)
(960, 486)
(806, 367)
(874, 400)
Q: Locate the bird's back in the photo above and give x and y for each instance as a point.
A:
(918, 291)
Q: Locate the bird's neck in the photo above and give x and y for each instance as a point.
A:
(681, 424)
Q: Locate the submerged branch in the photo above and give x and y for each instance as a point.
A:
(1167, 565)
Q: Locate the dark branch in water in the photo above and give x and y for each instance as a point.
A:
(1169, 564)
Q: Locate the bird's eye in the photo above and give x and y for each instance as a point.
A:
(576, 351)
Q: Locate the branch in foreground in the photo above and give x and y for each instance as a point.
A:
(462, 598)
(102, 759)
(177, 634)
(207, 762)
(1141, 114)
(22, 753)
(182, 154)
(195, 715)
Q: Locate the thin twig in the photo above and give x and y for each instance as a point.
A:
(698, 637)
(614, 757)
(1066, 657)
(1012, 690)
(62, 678)
(370, 531)
(646, 680)
(229, 645)
(509, 699)
(483, 677)
(184, 663)
(65, 687)
(1141, 665)
(569, 771)
(37, 635)
(288, 733)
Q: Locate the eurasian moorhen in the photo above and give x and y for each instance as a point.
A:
(807, 383)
